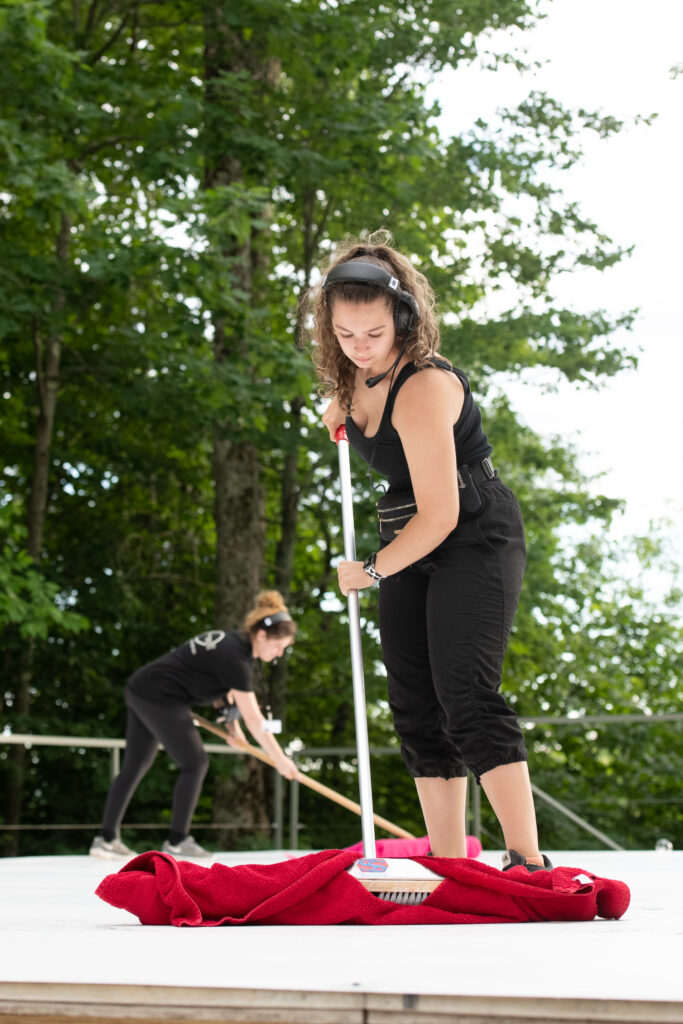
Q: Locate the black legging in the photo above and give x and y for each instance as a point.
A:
(148, 725)
(444, 625)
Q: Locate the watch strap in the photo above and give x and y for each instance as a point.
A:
(369, 566)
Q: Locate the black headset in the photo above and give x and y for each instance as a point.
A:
(406, 309)
(272, 620)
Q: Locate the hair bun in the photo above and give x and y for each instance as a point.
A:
(269, 602)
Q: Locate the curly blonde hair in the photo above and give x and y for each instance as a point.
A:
(335, 371)
(269, 603)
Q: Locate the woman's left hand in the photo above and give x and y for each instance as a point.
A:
(234, 736)
(352, 576)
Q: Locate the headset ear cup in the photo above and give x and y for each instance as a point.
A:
(404, 319)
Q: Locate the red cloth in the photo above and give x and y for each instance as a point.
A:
(418, 847)
(316, 889)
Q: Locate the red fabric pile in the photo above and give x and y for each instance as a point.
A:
(316, 889)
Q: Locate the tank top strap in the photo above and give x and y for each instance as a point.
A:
(407, 371)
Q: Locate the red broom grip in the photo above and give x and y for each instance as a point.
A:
(341, 434)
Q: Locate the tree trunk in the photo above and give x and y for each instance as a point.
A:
(289, 503)
(47, 356)
(239, 803)
(239, 516)
(291, 484)
(284, 555)
(239, 502)
(239, 499)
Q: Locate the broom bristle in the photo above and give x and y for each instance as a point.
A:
(406, 891)
(405, 899)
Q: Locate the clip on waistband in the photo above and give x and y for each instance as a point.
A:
(483, 471)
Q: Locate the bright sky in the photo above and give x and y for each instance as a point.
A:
(614, 56)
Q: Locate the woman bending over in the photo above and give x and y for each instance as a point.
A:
(213, 668)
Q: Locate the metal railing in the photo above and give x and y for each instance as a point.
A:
(474, 809)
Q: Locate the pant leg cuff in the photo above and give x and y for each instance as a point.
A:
(488, 766)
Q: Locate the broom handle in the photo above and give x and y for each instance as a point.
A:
(360, 711)
(331, 794)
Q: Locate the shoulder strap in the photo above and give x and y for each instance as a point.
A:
(410, 369)
(404, 374)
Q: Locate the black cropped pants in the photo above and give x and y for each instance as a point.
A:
(445, 624)
(148, 725)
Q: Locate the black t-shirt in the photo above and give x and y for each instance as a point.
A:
(199, 671)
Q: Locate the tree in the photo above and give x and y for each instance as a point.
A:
(173, 178)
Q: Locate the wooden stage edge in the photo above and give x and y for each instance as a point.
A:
(52, 1003)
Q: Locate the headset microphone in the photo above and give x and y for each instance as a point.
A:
(372, 381)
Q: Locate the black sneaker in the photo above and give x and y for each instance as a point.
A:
(512, 859)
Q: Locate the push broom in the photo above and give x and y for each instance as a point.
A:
(397, 879)
(318, 787)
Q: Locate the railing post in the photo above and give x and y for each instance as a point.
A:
(294, 789)
(279, 822)
(114, 762)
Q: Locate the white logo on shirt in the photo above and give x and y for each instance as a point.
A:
(210, 640)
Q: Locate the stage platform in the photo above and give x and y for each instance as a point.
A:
(67, 956)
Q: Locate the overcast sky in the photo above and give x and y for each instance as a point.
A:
(615, 56)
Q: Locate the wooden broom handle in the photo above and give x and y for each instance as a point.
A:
(325, 791)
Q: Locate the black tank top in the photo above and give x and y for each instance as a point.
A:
(384, 451)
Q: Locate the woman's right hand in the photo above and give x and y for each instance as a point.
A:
(333, 418)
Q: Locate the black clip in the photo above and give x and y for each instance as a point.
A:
(487, 466)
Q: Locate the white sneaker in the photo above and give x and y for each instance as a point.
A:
(188, 847)
(100, 847)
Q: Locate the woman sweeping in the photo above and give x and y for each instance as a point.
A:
(452, 551)
(213, 668)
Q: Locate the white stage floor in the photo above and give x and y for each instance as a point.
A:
(66, 955)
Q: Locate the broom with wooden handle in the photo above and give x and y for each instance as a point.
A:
(325, 791)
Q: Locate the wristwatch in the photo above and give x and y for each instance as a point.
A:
(369, 566)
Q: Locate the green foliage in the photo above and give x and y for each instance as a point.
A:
(30, 604)
(170, 179)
